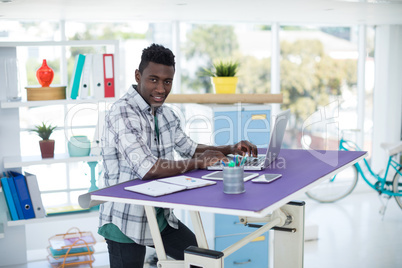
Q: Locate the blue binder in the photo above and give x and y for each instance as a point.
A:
(76, 78)
(9, 198)
(16, 199)
(23, 195)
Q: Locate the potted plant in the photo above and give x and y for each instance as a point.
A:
(46, 145)
(223, 77)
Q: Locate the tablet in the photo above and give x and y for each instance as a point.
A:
(218, 175)
(267, 178)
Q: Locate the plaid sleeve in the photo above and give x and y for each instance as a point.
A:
(183, 144)
(131, 142)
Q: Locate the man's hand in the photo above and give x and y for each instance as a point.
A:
(210, 157)
(245, 147)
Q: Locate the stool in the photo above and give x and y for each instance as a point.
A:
(195, 257)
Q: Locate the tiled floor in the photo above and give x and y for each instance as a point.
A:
(351, 233)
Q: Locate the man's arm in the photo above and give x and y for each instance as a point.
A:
(203, 157)
(241, 148)
(167, 168)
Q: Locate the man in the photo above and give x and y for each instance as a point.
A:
(141, 135)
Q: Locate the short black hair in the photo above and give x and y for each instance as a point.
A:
(157, 54)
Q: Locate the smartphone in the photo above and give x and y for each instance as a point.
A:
(267, 178)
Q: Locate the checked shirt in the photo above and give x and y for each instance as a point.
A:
(129, 149)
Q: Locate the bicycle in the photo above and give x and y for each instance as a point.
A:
(342, 184)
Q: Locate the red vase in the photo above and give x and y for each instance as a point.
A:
(45, 75)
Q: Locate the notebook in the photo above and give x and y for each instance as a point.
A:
(274, 147)
(168, 185)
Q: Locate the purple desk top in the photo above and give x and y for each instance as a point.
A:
(299, 169)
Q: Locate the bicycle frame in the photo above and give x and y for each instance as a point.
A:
(344, 144)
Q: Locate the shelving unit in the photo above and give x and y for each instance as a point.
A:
(19, 104)
(58, 218)
(18, 161)
(13, 233)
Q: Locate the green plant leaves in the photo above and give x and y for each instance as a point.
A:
(223, 69)
(44, 131)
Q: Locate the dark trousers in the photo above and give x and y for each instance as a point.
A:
(131, 255)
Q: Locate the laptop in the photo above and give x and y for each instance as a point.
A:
(274, 147)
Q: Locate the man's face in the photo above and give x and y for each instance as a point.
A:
(155, 83)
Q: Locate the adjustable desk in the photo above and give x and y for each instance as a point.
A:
(268, 203)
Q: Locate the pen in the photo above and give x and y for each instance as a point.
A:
(243, 160)
(223, 163)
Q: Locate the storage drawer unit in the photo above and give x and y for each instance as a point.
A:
(227, 225)
(235, 123)
(231, 125)
(226, 125)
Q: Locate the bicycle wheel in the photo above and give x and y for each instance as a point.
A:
(397, 187)
(336, 187)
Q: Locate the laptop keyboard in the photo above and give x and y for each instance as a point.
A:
(250, 161)
(254, 161)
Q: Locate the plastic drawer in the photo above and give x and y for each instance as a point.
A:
(229, 225)
(233, 126)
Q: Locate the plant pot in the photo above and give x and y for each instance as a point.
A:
(47, 148)
(79, 146)
(224, 85)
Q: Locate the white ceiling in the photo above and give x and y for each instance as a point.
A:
(339, 12)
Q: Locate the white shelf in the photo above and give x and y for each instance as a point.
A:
(65, 217)
(17, 104)
(18, 161)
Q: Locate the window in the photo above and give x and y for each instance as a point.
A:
(203, 44)
(318, 70)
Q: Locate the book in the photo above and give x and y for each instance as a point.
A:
(187, 181)
(9, 199)
(23, 195)
(108, 72)
(169, 185)
(53, 211)
(75, 261)
(15, 197)
(76, 78)
(35, 194)
(76, 240)
(97, 77)
(85, 78)
(57, 253)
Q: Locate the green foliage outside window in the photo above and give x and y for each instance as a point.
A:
(310, 78)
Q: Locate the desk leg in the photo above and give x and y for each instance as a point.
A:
(199, 229)
(289, 246)
(156, 235)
